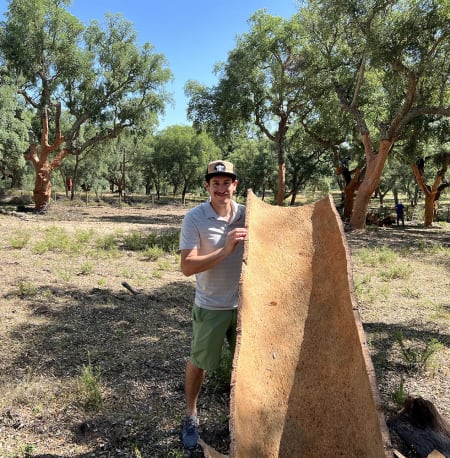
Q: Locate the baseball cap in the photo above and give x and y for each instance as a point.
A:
(216, 168)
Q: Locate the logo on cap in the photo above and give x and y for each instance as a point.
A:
(220, 168)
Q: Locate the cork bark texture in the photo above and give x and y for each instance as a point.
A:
(303, 383)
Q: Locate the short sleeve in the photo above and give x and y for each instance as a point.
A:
(190, 235)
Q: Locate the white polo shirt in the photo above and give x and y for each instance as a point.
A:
(203, 229)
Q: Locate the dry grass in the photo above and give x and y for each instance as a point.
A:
(89, 369)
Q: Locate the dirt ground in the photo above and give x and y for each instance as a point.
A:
(65, 310)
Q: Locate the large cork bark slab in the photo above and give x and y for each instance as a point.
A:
(303, 383)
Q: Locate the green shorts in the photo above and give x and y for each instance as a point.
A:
(209, 330)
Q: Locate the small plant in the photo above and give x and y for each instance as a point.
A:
(399, 395)
(373, 257)
(137, 241)
(402, 272)
(19, 240)
(157, 274)
(169, 241)
(90, 386)
(106, 243)
(37, 410)
(416, 358)
(55, 239)
(164, 265)
(86, 268)
(84, 236)
(153, 253)
(64, 274)
(137, 452)
(27, 289)
(411, 293)
(175, 454)
(27, 450)
(362, 288)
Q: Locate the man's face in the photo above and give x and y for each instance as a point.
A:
(221, 188)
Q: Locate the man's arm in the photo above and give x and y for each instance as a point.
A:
(193, 263)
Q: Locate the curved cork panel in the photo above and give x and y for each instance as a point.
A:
(303, 383)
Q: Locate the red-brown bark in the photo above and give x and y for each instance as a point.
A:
(43, 165)
(350, 190)
(374, 168)
(430, 193)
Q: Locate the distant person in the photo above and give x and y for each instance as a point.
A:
(400, 209)
(211, 248)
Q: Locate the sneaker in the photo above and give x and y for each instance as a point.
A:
(190, 432)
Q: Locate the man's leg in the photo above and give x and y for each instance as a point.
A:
(194, 377)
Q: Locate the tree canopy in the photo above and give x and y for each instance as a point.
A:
(97, 74)
(320, 99)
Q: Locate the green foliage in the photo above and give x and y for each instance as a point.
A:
(179, 156)
(84, 236)
(169, 241)
(165, 242)
(27, 450)
(19, 240)
(27, 289)
(14, 125)
(164, 265)
(106, 242)
(105, 83)
(89, 384)
(157, 274)
(64, 274)
(416, 357)
(376, 256)
(393, 272)
(153, 253)
(139, 241)
(55, 239)
(399, 395)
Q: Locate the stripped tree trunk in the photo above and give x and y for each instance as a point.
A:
(350, 190)
(374, 169)
(430, 192)
(43, 166)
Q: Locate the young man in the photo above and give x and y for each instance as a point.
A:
(211, 248)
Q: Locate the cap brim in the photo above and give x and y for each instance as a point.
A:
(224, 174)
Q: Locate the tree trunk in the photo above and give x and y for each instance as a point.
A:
(183, 195)
(281, 183)
(280, 139)
(293, 198)
(374, 169)
(43, 168)
(42, 187)
(429, 209)
(430, 193)
(349, 191)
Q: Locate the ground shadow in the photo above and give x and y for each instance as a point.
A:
(138, 343)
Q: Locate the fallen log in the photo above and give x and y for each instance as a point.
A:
(422, 427)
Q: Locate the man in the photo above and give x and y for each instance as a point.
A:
(400, 209)
(211, 248)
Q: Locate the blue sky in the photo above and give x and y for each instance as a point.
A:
(192, 34)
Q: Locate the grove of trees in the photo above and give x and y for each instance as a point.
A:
(350, 95)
